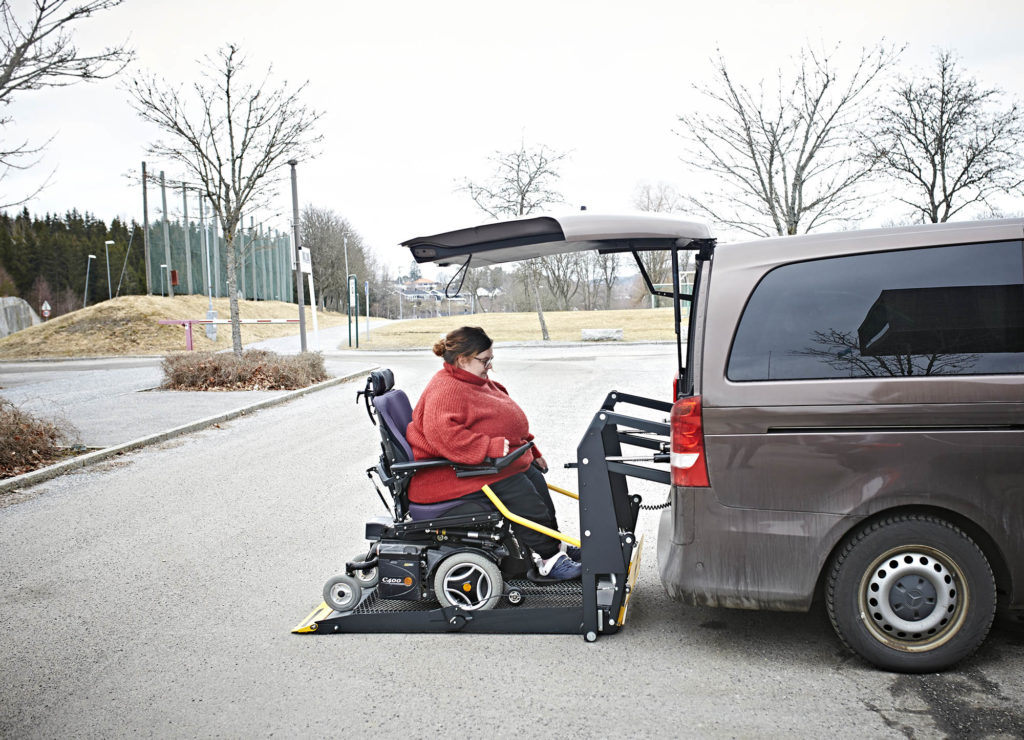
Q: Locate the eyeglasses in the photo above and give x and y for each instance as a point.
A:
(485, 361)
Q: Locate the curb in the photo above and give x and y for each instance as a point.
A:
(90, 458)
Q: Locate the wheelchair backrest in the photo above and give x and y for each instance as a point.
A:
(390, 411)
(395, 412)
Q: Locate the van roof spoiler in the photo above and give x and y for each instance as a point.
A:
(527, 238)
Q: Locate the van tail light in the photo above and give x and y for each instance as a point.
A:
(689, 466)
(675, 386)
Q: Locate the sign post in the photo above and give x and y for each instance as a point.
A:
(306, 265)
(45, 309)
(353, 308)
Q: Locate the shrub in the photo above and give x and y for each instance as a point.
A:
(26, 442)
(255, 370)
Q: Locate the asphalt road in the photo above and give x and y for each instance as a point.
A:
(154, 596)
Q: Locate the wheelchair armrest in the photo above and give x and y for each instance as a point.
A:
(414, 465)
(490, 467)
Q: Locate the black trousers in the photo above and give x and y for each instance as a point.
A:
(525, 494)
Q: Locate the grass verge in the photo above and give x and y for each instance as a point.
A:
(28, 442)
(255, 370)
(638, 325)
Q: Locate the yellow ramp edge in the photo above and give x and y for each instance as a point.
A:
(309, 624)
(634, 572)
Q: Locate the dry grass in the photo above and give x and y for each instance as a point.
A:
(128, 326)
(27, 442)
(638, 325)
(255, 370)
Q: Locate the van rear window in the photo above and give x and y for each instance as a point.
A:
(934, 311)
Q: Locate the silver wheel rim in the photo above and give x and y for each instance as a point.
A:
(467, 586)
(913, 598)
(342, 595)
(366, 577)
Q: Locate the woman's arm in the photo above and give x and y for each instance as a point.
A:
(446, 430)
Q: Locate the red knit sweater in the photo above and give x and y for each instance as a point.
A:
(464, 418)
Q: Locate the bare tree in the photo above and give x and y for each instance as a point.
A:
(39, 52)
(563, 273)
(841, 351)
(337, 250)
(233, 136)
(521, 184)
(785, 153)
(608, 272)
(949, 141)
(595, 276)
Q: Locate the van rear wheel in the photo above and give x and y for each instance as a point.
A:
(911, 593)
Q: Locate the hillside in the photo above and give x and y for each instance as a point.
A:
(128, 326)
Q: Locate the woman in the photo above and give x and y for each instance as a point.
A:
(464, 416)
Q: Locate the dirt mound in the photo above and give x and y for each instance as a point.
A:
(128, 325)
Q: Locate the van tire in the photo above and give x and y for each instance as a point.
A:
(911, 593)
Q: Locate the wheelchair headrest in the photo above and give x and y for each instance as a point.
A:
(380, 382)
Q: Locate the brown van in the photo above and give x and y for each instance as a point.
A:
(861, 402)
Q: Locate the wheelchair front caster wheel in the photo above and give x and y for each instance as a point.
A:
(469, 581)
(367, 578)
(342, 593)
(514, 596)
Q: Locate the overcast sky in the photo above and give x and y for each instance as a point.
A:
(417, 95)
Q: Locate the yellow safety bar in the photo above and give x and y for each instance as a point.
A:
(526, 522)
(564, 492)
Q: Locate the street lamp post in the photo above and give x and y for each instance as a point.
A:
(106, 248)
(88, 263)
(162, 269)
(300, 293)
(348, 288)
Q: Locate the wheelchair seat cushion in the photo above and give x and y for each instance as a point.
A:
(447, 508)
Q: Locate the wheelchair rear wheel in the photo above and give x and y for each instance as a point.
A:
(468, 580)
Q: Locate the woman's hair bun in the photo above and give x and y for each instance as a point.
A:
(466, 341)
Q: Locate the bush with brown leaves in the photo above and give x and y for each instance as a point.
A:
(27, 442)
(255, 370)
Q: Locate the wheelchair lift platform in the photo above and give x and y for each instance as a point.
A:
(555, 608)
(595, 605)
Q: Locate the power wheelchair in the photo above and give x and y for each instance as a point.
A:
(459, 554)
(450, 566)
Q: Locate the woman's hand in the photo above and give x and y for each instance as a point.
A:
(541, 463)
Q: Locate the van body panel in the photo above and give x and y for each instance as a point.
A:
(795, 465)
(743, 558)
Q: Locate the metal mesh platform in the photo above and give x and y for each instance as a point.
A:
(535, 596)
